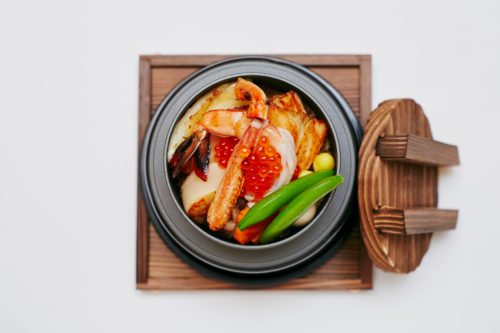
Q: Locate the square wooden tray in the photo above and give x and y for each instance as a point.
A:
(157, 267)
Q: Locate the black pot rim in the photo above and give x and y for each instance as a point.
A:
(159, 221)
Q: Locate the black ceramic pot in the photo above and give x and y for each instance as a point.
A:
(260, 264)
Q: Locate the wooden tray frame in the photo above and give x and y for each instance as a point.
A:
(180, 276)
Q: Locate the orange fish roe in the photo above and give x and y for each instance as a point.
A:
(224, 149)
(261, 168)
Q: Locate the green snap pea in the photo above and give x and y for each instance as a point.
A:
(298, 206)
(273, 202)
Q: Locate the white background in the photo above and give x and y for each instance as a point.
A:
(68, 129)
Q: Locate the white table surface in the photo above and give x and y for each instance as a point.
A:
(68, 128)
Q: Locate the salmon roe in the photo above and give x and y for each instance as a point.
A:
(261, 168)
(224, 149)
(296, 172)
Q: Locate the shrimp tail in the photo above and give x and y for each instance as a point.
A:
(248, 91)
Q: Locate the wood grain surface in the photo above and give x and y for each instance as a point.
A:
(391, 192)
(414, 221)
(157, 267)
(416, 150)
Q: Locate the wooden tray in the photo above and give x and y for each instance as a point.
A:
(157, 267)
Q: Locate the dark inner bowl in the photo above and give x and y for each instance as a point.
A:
(162, 197)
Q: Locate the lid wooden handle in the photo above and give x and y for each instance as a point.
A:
(413, 149)
(407, 148)
(414, 221)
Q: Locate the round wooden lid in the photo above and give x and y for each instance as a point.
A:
(387, 188)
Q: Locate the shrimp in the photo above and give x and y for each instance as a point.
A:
(189, 134)
(219, 97)
(230, 187)
(248, 91)
(233, 122)
(226, 111)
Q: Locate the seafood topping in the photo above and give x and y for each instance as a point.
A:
(248, 91)
(202, 158)
(224, 149)
(261, 168)
(282, 141)
(235, 149)
(173, 163)
(230, 187)
(197, 194)
(233, 122)
(189, 122)
(185, 151)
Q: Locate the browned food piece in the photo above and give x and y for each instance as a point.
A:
(198, 211)
(286, 111)
(312, 139)
(248, 91)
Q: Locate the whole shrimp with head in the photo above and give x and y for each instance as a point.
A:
(232, 148)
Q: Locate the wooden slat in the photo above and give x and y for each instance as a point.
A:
(160, 269)
(306, 60)
(417, 150)
(142, 218)
(415, 221)
(365, 98)
(419, 221)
